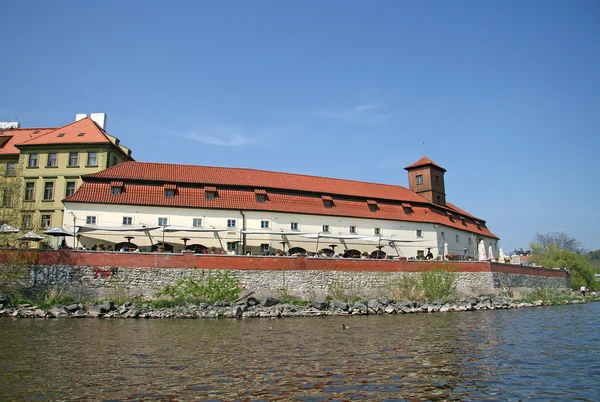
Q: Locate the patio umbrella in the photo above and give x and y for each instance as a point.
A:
(501, 255)
(491, 253)
(8, 229)
(58, 232)
(32, 236)
(445, 250)
(481, 250)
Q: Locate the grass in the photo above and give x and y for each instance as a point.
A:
(210, 287)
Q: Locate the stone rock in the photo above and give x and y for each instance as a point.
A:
(80, 313)
(133, 313)
(72, 308)
(360, 307)
(320, 304)
(237, 311)
(389, 310)
(269, 302)
(4, 300)
(251, 301)
(39, 313)
(56, 312)
(340, 305)
(384, 300)
(444, 309)
(107, 306)
(405, 309)
(93, 309)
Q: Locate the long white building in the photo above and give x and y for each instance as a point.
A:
(155, 205)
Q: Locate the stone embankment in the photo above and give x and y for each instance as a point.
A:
(268, 307)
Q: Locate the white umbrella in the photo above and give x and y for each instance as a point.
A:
(445, 250)
(8, 229)
(491, 253)
(481, 250)
(501, 255)
(31, 236)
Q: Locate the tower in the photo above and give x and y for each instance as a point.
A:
(427, 179)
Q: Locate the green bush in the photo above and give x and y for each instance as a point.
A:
(549, 296)
(210, 287)
(405, 287)
(438, 282)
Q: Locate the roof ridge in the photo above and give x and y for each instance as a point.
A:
(58, 129)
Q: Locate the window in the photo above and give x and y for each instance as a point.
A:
(264, 248)
(33, 160)
(11, 168)
(420, 254)
(45, 221)
(326, 228)
(442, 235)
(373, 207)
(70, 188)
(210, 195)
(197, 222)
(26, 221)
(48, 191)
(377, 231)
(162, 221)
(51, 160)
(169, 193)
(73, 159)
(264, 224)
(80, 134)
(439, 199)
(231, 223)
(231, 245)
(92, 159)
(127, 220)
(294, 226)
(90, 220)
(437, 180)
(328, 203)
(61, 135)
(7, 198)
(352, 229)
(470, 241)
(115, 190)
(420, 179)
(29, 191)
(261, 198)
(419, 233)
(457, 238)
(113, 160)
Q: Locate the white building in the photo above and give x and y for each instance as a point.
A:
(256, 211)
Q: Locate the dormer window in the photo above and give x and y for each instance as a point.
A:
(407, 208)
(170, 190)
(261, 195)
(210, 193)
(373, 207)
(327, 201)
(462, 219)
(450, 216)
(116, 187)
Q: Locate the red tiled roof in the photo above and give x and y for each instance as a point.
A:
(371, 202)
(170, 186)
(260, 191)
(406, 205)
(424, 161)
(223, 176)
(12, 137)
(210, 188)
(116, 184)
(239, 199)
(92, 134)
(326, 198)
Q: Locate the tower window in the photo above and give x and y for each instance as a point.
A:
(420, 179)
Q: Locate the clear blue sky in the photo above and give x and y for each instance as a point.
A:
(504, 94)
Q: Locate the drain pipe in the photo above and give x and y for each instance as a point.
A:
(243, 234)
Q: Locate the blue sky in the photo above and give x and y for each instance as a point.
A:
(504, 94)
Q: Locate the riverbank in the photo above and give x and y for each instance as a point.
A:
(250, 307)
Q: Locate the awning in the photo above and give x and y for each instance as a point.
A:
(195, 229)
(390, 239)
(117, 228)
(267, 232)
(332, 236)
(8, 229)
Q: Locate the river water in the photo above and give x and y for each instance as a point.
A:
(550, 353)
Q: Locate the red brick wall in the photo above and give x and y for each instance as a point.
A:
(190, 260)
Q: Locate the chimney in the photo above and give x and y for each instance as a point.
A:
(80, 116)
(99, 119)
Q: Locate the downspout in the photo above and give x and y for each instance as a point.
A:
(243, 232)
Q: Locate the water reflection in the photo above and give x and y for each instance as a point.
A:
(548, 353)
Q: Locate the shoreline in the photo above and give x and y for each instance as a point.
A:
(271, 308)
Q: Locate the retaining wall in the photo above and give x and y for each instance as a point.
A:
(114, 274)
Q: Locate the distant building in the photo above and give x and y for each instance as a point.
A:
(48, 164)
(174, 206)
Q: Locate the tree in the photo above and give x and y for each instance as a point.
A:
(593, 258)
(582, 273)
(561, 240)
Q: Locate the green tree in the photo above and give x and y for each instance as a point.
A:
(582, 273)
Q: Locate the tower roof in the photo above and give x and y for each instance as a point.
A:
(424, 161)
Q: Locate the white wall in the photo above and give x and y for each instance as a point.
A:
(406, 232)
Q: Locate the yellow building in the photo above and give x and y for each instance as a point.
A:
(49, 163)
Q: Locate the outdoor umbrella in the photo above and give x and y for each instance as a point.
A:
(4, 228)
(58, 232)
(445, 250)
(481, 250)
(491, 253)
(501, 255)
(32, 236)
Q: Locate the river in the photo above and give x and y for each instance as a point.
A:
(550, 353)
